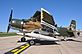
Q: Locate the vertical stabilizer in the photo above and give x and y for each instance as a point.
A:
(73, 25)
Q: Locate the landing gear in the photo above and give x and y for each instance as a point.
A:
(32, 42)
(23, 39)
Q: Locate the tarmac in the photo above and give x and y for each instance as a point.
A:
(11, 45)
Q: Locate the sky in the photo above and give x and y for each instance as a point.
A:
(63, 11)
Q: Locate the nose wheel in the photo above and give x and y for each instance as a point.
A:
(23, 39)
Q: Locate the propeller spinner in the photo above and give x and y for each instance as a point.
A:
(10, 18)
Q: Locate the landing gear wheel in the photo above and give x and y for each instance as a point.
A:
(23, 39)
(32, 42)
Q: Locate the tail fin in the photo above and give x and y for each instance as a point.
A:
(72, 25)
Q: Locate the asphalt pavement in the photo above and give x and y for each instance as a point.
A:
(11, 44)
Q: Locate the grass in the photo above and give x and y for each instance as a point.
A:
(4, 34)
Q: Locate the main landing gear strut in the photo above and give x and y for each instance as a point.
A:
(23, 39)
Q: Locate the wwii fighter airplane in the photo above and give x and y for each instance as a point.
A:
(40, 26)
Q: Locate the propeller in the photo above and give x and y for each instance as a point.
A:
(10, 18)
(8, 28)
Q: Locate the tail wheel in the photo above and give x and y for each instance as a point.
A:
(32, 42)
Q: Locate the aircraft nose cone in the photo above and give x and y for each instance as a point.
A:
(13, 21)
(22, 22)
(16, 23)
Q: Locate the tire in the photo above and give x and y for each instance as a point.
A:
(23, 39)
(32, 42)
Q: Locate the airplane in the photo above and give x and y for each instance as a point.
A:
(40, 26)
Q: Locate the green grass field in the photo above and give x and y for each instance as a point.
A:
(4, 34)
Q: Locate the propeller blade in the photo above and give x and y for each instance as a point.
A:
(10, 18)
(8, 28)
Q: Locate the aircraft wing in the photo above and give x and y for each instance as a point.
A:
(37, 16)
(47, 17)
(47, 20)
(37, 13)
